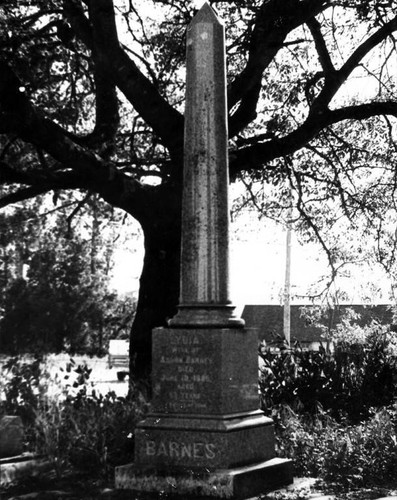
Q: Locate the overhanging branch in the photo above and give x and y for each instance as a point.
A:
(166, 122)
(21, 195)
(106, 102)
(255, 156)
(363, 111)
(334, 80)
(321, 47)
(79, 168)
(274, 21)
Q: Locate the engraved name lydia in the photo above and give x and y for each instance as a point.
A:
(186, 369)
(185, 350)
(174, 449)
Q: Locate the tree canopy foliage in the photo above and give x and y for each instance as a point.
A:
(92, 97)
(55, 275)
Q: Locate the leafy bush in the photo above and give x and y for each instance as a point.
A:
(23, 386)
(333, 411)
(361, 455)
(77, 427)
(348, 382)
(91, 432)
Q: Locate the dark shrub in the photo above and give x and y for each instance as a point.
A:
(74, 425)
(361, 455)
(348, 381)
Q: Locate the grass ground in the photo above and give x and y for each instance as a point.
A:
(75, 486)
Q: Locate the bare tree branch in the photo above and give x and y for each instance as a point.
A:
(21, 195)
(257, 155)
(274, 21)
(363, 111)
(107, 116)
(323, 54)
(165, 121)
(79, 167)
(334, 80)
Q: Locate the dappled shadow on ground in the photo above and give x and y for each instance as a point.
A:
(79, 486)
(74, 486)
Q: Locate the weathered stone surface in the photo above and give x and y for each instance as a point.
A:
(205, 296)
(205, 371)
(205, 221)
(204, 443)
(25, 466)
(205, 410)
(237, 483)
(205, 435)
(11, 436)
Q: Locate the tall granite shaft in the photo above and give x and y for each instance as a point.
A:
(204, 297)
(204, 435)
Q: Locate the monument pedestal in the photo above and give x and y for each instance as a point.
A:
(205, 435)
(236, 483)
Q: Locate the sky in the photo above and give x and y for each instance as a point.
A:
(257, 267)
(257, 255)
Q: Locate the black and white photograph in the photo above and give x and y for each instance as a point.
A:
(198, 249)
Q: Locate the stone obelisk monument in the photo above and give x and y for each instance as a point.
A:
(204, 297)
(205, 435)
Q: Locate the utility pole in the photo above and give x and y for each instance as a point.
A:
(287, 288)
(287, 281)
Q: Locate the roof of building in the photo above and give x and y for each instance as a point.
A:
(268, 319)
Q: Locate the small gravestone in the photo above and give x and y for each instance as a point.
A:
(205, 435)
(15, 464)
(11, 436)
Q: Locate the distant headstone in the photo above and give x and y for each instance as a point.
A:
(11, 436)
(205, 435)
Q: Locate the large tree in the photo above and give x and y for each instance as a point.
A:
(91, 99)
(55, 269)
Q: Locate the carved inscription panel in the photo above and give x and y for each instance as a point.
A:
(180, 450)
(184, 374)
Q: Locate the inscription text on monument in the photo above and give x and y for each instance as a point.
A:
(185, 373)
(178, 450)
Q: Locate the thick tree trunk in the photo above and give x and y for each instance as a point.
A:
(159, 283)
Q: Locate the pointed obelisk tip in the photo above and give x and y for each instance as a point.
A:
(205, 15)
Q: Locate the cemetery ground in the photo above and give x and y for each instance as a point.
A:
(102, 377)
(335, 416)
